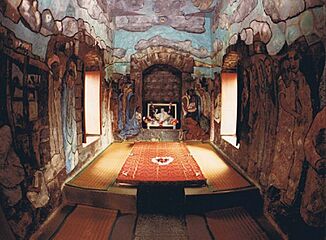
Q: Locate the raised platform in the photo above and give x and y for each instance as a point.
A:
(168, 211)
(95, 185)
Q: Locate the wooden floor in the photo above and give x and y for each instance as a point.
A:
(103, 171)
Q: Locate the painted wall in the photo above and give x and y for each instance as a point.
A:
(157, 44)
(276, 22)
(45, 46)
(197, 45)
(281, 46)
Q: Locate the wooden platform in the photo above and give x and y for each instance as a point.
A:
(101, 174)
(220, 176)
(103, 171)
(195, 212)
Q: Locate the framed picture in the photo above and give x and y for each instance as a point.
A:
(163, 115)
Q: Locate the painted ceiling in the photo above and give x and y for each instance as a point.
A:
(141, 15)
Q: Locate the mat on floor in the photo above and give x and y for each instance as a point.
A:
(234, 224)
(220, 176)
(102, 172)
(160, 227)
(87, 223)
(160, 162)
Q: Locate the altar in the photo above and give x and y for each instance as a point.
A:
(161, 115)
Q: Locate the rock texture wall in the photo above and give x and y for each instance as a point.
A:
(276, 22)
(44, 51)
(279, 48)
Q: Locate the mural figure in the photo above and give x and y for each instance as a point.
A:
(125, 91)
(133, 124)
(313, 199)
(294, 118)
(256, 117)
(270, 113)
(69, 125)
(244, 111)
(191, 105)
(252, 101)
(196, 125)
(54, 106)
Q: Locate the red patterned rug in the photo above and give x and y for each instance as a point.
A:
(160, 162)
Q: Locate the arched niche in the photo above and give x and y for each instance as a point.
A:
(141, 61)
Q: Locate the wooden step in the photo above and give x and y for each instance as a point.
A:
(234, 224)
(119, 198)
(87, 223)
(199, 201)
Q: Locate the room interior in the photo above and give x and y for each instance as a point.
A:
(138, 119)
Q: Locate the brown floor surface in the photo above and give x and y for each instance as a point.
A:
(86, 223)
(220, 176)
(225, 224)
(197, 228)
(124, 227)
(234, 224)
(103, 171)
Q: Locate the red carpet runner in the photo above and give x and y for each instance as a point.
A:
(140, 168)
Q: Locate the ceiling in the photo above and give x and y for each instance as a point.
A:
(140, 15)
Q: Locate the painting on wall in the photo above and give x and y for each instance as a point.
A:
(196, 111)
(161, 115)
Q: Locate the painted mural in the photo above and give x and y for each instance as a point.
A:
(69, 127)
(41, 103)
(278, 47)
(279, 100)
(282, 80)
